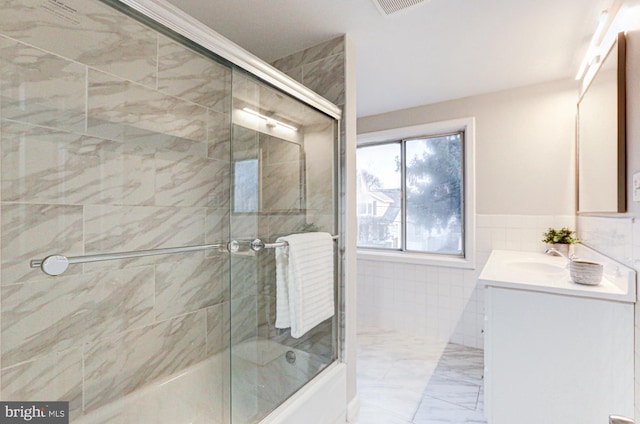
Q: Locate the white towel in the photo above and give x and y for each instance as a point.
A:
(304, 281)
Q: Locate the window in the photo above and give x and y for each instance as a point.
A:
(420, 183)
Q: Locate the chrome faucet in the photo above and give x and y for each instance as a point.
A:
(554, 251)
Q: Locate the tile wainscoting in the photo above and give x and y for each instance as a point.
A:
(441, 302)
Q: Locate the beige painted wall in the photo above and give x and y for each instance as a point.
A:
(524, 145)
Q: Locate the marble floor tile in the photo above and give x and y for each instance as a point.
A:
(456, 391)
(436, 411)
(370, 413)
(411, 373)
(460, 362)
(401, 401)
(405, 379)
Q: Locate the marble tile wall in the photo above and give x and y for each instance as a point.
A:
(322, 69)
(290, 170)
(295, 194)
(101, 38)
(439, 302)
(281, 161)
(320, 340)
(112, 138)
(116, 138)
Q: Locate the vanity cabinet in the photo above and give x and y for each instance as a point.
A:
(556, 357)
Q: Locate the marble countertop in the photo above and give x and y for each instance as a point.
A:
(539, 272)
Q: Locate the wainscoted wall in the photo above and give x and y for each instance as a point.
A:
(524, 184)
(113, 138)
(440, 302)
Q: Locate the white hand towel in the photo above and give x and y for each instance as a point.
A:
(304, 281)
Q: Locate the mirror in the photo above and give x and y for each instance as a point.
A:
(601, 147)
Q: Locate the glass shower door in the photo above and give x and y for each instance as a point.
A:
(114, 138)
(283, 179)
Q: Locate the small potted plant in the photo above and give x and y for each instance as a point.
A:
(561, 239)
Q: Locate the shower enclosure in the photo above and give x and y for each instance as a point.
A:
(144, 182)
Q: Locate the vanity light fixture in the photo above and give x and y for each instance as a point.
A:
(270, 122)
(592, 52)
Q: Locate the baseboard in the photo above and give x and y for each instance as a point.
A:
(353, 409)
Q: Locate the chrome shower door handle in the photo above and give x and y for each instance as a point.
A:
(619, 419)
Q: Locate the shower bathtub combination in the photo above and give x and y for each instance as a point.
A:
(149, 167)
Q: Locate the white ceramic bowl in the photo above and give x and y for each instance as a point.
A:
(585, 272)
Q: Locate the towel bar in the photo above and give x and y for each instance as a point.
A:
(257, 245)
(57, 264)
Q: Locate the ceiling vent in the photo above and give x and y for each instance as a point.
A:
(388, 7)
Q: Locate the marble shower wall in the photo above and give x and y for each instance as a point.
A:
(113, 138)
(322, 68)
(304, 202)
(290, 175)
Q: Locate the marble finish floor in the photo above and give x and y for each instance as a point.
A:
(405, 379)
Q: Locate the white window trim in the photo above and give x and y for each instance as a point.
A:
(463, 124)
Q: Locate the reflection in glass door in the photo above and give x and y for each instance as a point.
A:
(283, 182)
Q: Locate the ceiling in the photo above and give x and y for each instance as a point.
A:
(435, 51)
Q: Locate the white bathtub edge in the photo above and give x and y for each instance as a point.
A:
(321, 401)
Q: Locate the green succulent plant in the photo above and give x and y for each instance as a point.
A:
(562, 236)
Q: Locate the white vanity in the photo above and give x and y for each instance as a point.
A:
(557, 352)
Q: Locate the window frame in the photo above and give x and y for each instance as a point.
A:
(401, 135)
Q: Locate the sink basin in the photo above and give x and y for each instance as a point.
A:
(536, 271)
(534, 266)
